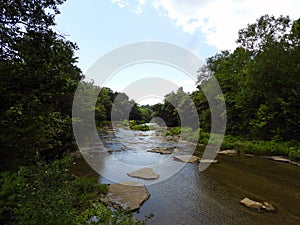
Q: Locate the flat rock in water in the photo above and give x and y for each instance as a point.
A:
(228, 152)
(187, 158)
(268, 207)
(127, 195)
(209, 161)
(295, 163)
(282, 159)
(172, 138)
(278, 158)
(144, 173)
(161, 150)
(257, 205)
(251, 204)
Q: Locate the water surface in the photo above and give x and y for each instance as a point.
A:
(212, 196)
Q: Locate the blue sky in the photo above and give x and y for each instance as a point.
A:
(202, 26)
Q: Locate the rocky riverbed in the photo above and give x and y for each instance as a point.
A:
(211, 196)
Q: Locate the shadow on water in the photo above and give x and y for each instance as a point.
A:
(212, 196)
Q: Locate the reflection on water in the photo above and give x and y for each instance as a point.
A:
(210, 197)
(126, 151)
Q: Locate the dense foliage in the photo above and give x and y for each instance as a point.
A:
(260, 80)
(38, 79)
(49, 194)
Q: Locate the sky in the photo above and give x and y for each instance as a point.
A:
(204, 27)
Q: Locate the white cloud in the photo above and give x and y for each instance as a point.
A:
(138, 9)
(220, 20)
(120, 3)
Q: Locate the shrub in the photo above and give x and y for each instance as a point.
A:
(50, 194)
(174, 131)
(294, 154)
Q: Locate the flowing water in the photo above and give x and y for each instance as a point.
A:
(210, 197)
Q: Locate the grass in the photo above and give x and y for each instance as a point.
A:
(290, 149)
(135, 125)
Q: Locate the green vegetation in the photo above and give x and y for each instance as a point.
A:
(174, 131)
(290, 149)
(133, 124)
(263, 147)
(38, 78)
(49, 194)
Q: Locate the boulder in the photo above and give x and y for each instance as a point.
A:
(228, 152)
(187, 158)
(144, 173)
(127, 195)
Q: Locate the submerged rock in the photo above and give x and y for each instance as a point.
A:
(163, 150)
(268, 207)
(127, 195)
(257, 205)
(187, 158)
(144, 173)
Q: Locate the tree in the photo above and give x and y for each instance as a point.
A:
(260, 80)
(23, 17)
(177, 109)
(267, 30)
(272, 78)
(38, 79)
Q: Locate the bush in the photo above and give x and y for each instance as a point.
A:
(134, 125)
(50, 194)
(203, 137)
(174, 131)
(294, 154)
(229, 142)
(260, 147)
(99, 214)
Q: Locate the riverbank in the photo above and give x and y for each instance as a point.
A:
(289, 149)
